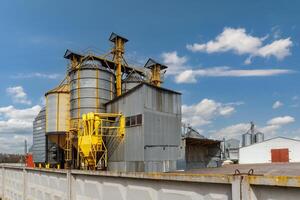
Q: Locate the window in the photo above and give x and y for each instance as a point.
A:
(127, 121)
(139, 119)
(135, 120)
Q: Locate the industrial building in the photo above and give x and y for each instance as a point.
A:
(275, 150)
(252, 136)
(196, 151)
(108, 115)
(39, 137)
(231, 150)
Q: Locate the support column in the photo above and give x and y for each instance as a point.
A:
(118, 51)
(70, 178)
(25, 183)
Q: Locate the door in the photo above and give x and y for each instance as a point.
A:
(280, 155)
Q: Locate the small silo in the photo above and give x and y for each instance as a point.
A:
(91, 86)
(247, 138)
(39, 140)
(57, 122)
(132, 80)
(57, 109)
(259, 137)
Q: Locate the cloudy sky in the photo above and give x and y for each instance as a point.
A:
(233, 61)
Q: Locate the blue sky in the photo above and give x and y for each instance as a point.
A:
(234, 61)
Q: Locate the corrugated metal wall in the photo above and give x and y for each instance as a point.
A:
(39, 138)
(155, 143)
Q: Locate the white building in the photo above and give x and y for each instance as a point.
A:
(279, 149)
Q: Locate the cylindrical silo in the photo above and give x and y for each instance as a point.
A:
(247, 138)
(259, 137)
(57, 122)
(91, 86)
(39, 140)
(131, 81)
(58, 110)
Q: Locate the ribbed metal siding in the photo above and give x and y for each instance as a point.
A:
(259, 137)
(39, 138)
(91, 86)
(58, 114)
(155, 142)
(128, 85)
(247, 138)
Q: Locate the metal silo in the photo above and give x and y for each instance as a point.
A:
(91, 86)
(247, 138)
(131, 81)
(39, 138)
(58, 109)
(259, 137)
(57, 122)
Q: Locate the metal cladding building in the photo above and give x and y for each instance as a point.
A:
(153, 122)
(275, 150)
(196, 151)
(108, 115)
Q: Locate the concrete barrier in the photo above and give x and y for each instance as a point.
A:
(17, 183)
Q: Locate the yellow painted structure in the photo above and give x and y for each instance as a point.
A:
(155, 69)
(118, 52)
(155, 75)
(92, 134)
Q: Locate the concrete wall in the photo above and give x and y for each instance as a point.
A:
(18, 183)
(250, 153)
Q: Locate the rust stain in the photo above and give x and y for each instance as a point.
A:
(282, 180)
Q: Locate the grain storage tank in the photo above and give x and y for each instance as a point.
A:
(132, 80)
(57, 110)
(91, 86)
(247, 138)
(39, 138)
(57, 122)
(259, 137)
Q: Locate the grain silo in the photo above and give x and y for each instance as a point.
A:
(259, 137)
(91, 86)
(247, 139)
(132, 80)
(108, 115)
(57, 122)
(39, 138)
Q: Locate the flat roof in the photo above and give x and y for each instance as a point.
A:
(280, 169)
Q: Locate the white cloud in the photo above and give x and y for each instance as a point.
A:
(174, 62)
(184, 73)
(19, 121)
(277, 104)
(15, 127)
(279, 49)
(18, 95)
(230, 39)
(233, 131)
(271, 128)
(204, 112)
(279, 121)
(12, 143)
(242, 43)
(37, 75)
(190, 76)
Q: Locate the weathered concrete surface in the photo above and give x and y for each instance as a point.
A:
(19, 183)
(273, 169)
